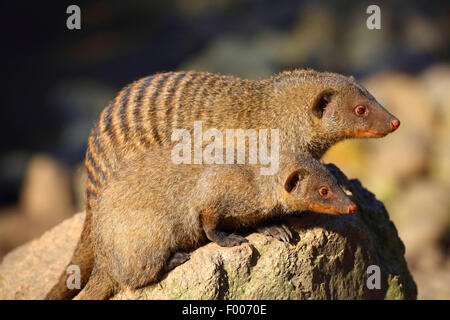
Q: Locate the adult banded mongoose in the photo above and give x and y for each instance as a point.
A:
(152, 211)
(312, 110)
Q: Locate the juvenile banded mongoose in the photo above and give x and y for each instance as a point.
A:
(153, 211)
(312, 110)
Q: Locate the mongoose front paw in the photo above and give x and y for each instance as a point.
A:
(229, 240)
(278, 231)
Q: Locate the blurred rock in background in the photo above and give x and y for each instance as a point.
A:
(46, 192)
(45, 200)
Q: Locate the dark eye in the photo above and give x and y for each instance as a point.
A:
(323, 191)
(361, 111)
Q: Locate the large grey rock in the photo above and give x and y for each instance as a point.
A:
(33, 269)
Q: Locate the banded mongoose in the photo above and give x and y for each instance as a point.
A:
(312, 110)
(153, 211)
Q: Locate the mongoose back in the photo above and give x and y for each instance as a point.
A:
(153, 211)
(312, 110)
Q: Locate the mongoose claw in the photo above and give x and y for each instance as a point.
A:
(278, 231)
(288, 231)
(230, 240)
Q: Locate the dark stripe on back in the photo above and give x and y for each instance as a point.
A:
(170, 102)
(92, 180)
(101, 175)
(99, 151)
(90, 194)
(122, 113)
(90, 164)
(153, 107)
(107, 118)
(107, 123)
(140, 131)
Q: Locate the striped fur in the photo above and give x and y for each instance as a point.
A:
(145, 113)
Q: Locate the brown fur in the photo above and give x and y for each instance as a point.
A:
(153, 209)
(312, 110)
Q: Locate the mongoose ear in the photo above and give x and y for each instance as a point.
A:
(352, 78)
(321, 102)
(294, 179)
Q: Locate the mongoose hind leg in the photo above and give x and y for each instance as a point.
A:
(276, 230)
(175, 260)
(210, 220)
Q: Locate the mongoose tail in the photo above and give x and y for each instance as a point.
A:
(153, 211)
(83, 257)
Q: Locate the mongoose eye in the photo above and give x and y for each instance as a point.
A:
(324, 192)
(361, 111)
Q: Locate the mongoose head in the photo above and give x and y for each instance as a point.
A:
(333, 106)
(347, 109)
(308, 185)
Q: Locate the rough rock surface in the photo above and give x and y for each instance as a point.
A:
(33, 269)
(327, 259)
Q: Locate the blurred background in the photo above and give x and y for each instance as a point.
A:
(56, 81)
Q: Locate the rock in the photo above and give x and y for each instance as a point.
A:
(327, 259)
(433, 283)
(436, 80)
(46, 193)
(17, 228)
(45, 200)
(33, 269)
(440, 162)
(422, 214)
